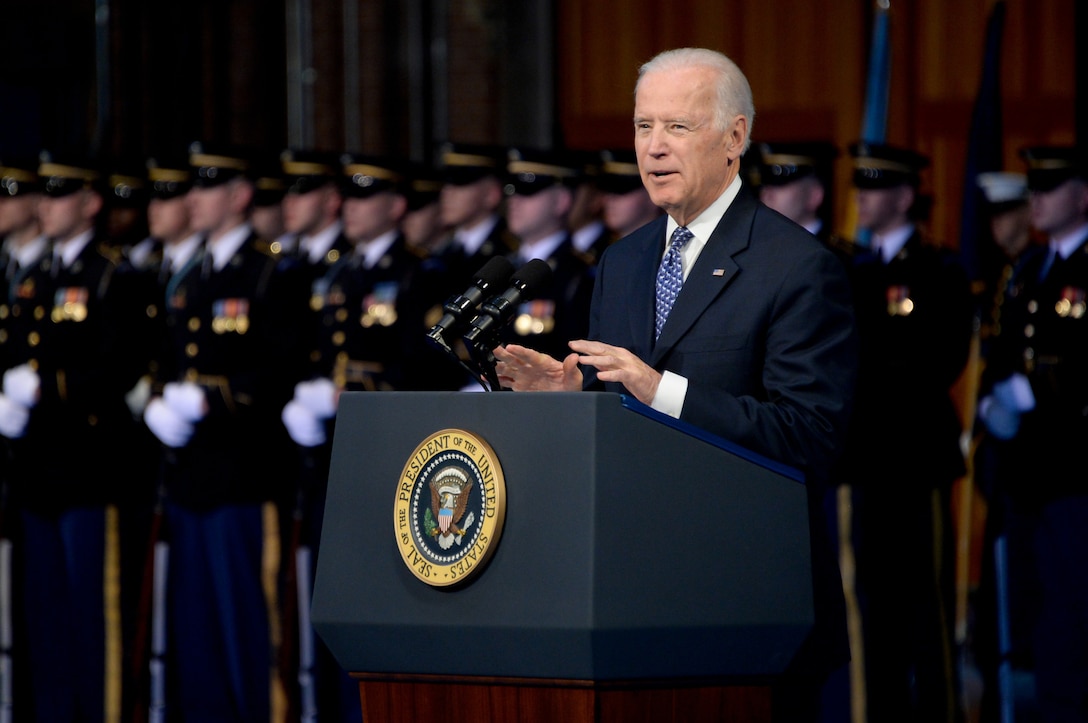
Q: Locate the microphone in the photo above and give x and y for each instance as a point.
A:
(529, 281)
(460, 310)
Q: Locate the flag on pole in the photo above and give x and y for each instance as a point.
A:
(984, 145)
(874, 121)
(874, 124)
(985, 153)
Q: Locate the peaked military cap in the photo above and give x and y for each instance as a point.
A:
(1003, 191)
(305, 171)
(126, 186)
(1051, 166)
(462, 163)
(62, 175)
(877, 165)
(168, 178)
(363, 175)
(531, 170)
(269, 184)
(423, 187)
(619, 171)
(784, 162)
(18, 177)
(213, 166)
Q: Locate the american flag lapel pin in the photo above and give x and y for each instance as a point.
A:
(718, 272)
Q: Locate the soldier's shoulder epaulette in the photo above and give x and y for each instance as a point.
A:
(842, 245)
(585, 257)
(110, 252)
(267, 248)
(421, 253)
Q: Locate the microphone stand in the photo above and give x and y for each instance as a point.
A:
(481, 352)
(476, 372)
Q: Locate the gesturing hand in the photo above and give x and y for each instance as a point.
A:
(526, 370)
(616, 364)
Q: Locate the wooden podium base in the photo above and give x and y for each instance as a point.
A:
(499, 700)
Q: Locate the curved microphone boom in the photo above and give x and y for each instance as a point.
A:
(497, 312)
(460, 310)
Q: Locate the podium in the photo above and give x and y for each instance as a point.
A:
(646, 570)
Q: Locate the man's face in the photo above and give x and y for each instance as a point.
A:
(209, 207)
(67, 216)
(1060, 210)
(685, 160)
(883, 209)
(796, 200)
(18, 212)
(308, 213)
(533, 217)
(465, 204)
(625, 212)
(168, 219)
(367, 218)
(268, 221)
(423, 226)
(1012, 230)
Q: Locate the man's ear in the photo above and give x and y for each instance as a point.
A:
(736, 137)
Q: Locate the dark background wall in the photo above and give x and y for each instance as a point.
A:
(130, 78)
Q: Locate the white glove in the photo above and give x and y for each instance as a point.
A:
(1001, 421)
(22, 384)
(13, 418)
(317, 395)
(137, 398)
(1015, 393)
(186, 399)
(303, 425)
(166, 424)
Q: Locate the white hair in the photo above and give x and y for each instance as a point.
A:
(734, 93)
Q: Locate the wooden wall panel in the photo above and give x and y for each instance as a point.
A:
(807, 60)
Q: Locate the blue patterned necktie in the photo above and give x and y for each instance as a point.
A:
(670, 277)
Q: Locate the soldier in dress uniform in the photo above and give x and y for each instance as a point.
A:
(369, 338)
(627, 205)
(422, 225)
(796, 179)
(472, 208)
(588, 231)
(1036, 403)
(471, 204)
(269, 188)
(22, 243)
(1005, 197)
(311, 208)
(540, 192)
(73, 351)
(126, 205)
(233, 324)
(23, 246)
(915, 315)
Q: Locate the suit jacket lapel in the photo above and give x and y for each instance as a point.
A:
(712, 272)
(644, 277)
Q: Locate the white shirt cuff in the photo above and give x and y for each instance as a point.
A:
(669, 398)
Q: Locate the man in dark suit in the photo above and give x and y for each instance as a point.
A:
(759, 347)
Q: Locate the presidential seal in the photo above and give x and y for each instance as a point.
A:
(450, 507)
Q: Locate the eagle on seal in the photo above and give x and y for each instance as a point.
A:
(449, 498)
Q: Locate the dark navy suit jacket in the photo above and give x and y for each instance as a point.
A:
(764, 331)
